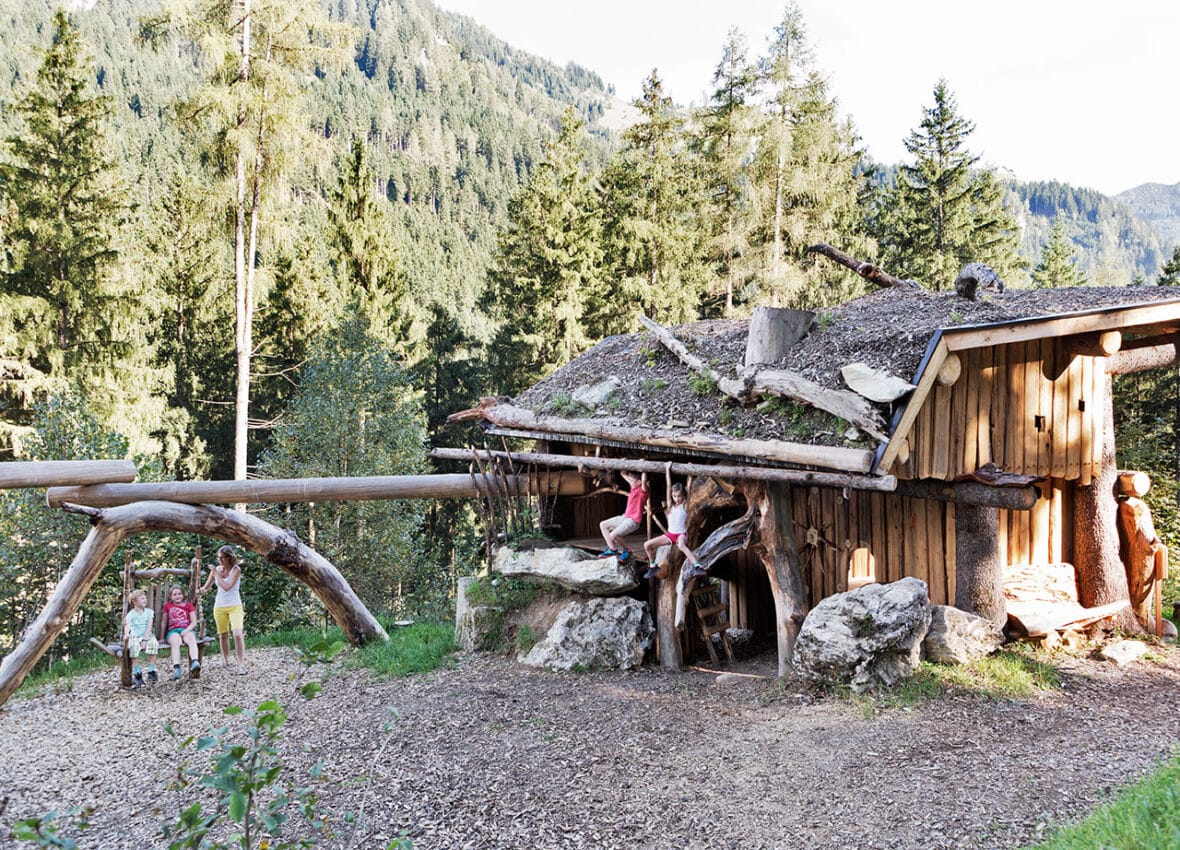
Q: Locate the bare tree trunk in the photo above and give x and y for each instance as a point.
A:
(979, 569)
(1102, 578)
(112, 526)
(243, 295)
(780, 556)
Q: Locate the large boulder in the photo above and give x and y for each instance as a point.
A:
(571, 568)
(595, 633)
(867, 637)
(957, 637)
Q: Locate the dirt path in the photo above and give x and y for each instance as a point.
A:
(491, 755)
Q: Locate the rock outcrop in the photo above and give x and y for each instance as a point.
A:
(594, 634)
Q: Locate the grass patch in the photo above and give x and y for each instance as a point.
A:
(58, 677)
(1143, 816)
(1009, 674)
(419, 648)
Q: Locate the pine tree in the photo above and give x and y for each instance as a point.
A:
(256, 53)
(807, 179)
(654, 234)
(1170, 273)
(1056, 268)
(60, 239)
(547, 263)
(944, 211)
(725, 140)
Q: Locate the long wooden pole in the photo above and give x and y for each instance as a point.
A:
(457, 486)
(883, 483)
(52, 473)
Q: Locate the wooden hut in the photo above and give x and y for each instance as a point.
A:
(1001, 454)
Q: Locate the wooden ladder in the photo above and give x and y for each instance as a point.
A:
(713, 615)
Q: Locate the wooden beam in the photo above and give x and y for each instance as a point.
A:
(1136, 357)
(281, 490)
(1112, 319)
(828, 457)
(873, 274)
(883, 483)
(1101, 344)
(971, 493)
(925, 384)
(51, 473)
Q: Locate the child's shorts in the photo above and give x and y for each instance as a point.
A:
(152, 647)
(621, 526)
(230, 617)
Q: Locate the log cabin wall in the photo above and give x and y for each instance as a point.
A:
(1028, 407)
(873, 536)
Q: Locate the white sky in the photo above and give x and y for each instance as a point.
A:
(1080, 92)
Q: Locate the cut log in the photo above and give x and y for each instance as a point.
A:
(111, 527)
(457, 486)
(882, 483)
(753, 383)
(1098, 344)
(873, 274)
(829, 457)
(950, 370)
(971, 493)
(773, 332)
(52, 473)
(1035, 619)
(1135, 356)
(1132, 483)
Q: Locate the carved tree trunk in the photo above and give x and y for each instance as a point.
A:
(1101, 576)
(780, 556)
(112, 526)
(979, 570)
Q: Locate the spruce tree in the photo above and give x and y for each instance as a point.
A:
(1056, 268)
(60, 239)
(944, 211)
(725, 140)
(806, 177)
(547, 263)
(1170, 273)
(655, 236)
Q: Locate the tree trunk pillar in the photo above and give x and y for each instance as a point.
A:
(780, 556)
(979, 569)
(1102, 579)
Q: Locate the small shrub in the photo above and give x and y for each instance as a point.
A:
(702, 385)
(525, 639)
(650, 355)
(563, 404)
(45, 831)
(650, 385)
(824, 321)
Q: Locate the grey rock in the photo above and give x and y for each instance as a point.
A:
(571, 568)
(865, 638)
(595, 634)
(596, 394)
(958, 637)
(977, 276)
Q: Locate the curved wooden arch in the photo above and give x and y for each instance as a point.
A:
(113, 525)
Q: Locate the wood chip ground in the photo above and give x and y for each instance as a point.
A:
(488, 754)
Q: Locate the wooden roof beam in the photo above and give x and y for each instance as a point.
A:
(52, 473)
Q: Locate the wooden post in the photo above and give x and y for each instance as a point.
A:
(111, 527)
(780, 556)
(51, 473)
(979, 578)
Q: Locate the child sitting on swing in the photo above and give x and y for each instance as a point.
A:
(677, 528)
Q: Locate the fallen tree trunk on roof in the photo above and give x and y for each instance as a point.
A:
(111, 527)
(755, 382)
(829, 457)
(881, 483)
(873, 274)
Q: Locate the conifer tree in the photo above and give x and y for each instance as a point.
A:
(725, 141)
(944, 211)
(653, 229)
(1170, 273)
(547, 263)
(60, 238)
(256, 53)
(1056, 268)
(806, 174)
